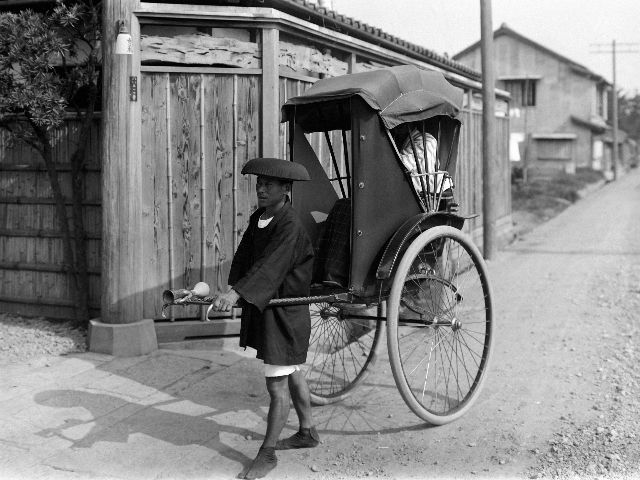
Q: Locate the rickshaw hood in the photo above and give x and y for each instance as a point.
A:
(400, 94)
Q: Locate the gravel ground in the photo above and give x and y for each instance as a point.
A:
(609, 447)
(25, 339)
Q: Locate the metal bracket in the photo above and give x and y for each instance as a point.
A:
(133, 88)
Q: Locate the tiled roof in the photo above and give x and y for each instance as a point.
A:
(338, 22)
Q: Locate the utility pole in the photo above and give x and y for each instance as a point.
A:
(525, 107)
(488, 131)
(614, 133)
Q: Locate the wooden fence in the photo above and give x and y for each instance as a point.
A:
(469, 171)
(32, 280)
(198, 129)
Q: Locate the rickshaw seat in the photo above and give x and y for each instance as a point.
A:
(331, 266)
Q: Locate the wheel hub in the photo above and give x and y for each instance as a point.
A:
(329, 312)
(437, 322)
(456, 324)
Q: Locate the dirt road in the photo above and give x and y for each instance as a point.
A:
(561, 399)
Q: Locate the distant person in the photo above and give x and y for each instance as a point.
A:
(275, 260)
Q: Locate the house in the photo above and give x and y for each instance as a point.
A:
(200, 95)
(558, 109)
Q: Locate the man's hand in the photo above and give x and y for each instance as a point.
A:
(226, 301)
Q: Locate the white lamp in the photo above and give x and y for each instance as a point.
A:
(124, 45)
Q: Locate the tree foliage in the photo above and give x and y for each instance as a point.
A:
(46, 59)
(49, 68)
(629, 115)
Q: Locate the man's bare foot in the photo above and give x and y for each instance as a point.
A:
(264, 462)
(305, 438)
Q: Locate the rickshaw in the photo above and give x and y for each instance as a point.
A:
(389, 241)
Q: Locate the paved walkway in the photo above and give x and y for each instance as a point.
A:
(188, 411)
(162, 415)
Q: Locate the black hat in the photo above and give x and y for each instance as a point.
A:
(277, 168)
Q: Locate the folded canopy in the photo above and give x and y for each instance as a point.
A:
(399, 94)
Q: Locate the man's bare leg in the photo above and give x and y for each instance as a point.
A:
(277, 417)
(307, 436)
(299, 391)
(278, 409)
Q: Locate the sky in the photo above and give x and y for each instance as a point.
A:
(569, 27)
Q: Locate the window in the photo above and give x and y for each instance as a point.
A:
(601, 101)
(523, 92)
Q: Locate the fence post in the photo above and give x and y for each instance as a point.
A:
(270, 93)
(121, 330)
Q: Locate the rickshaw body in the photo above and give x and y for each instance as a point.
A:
(408, 263)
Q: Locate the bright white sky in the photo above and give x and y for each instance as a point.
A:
(569, 27)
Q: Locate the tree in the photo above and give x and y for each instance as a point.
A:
(50, 67)
(629, 115)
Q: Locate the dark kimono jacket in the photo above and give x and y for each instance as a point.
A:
(274, 262)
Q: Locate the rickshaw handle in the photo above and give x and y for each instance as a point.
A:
(186, 297)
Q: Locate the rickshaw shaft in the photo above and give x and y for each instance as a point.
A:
(412, 321)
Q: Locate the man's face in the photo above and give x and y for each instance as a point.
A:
(270, 191)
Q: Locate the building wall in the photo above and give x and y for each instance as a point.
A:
(583, 145)
(560, 93)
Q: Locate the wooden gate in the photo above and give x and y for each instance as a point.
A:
(198, 129)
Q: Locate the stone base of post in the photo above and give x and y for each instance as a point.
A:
(123, 339)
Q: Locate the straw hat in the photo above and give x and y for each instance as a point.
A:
(277, 168)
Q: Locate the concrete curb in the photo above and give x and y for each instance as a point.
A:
(122, 340)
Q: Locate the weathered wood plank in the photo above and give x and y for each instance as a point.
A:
(40, 267)
(200, 49)
(155, 239)
(39, 221)
(200, 69)
(247, 147)
(306, 59)
(219, 178)
(177, 188)
(35, 285)
(185, 121)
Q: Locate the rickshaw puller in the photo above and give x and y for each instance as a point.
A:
(275, 260)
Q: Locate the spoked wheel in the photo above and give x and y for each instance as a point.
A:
(439, 324)
(343, 344)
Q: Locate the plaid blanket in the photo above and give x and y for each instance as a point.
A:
(332, 264)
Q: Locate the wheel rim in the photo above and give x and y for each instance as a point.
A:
(341, 348)
(442, 325)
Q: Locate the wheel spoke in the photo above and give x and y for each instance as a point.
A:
(340, 350)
